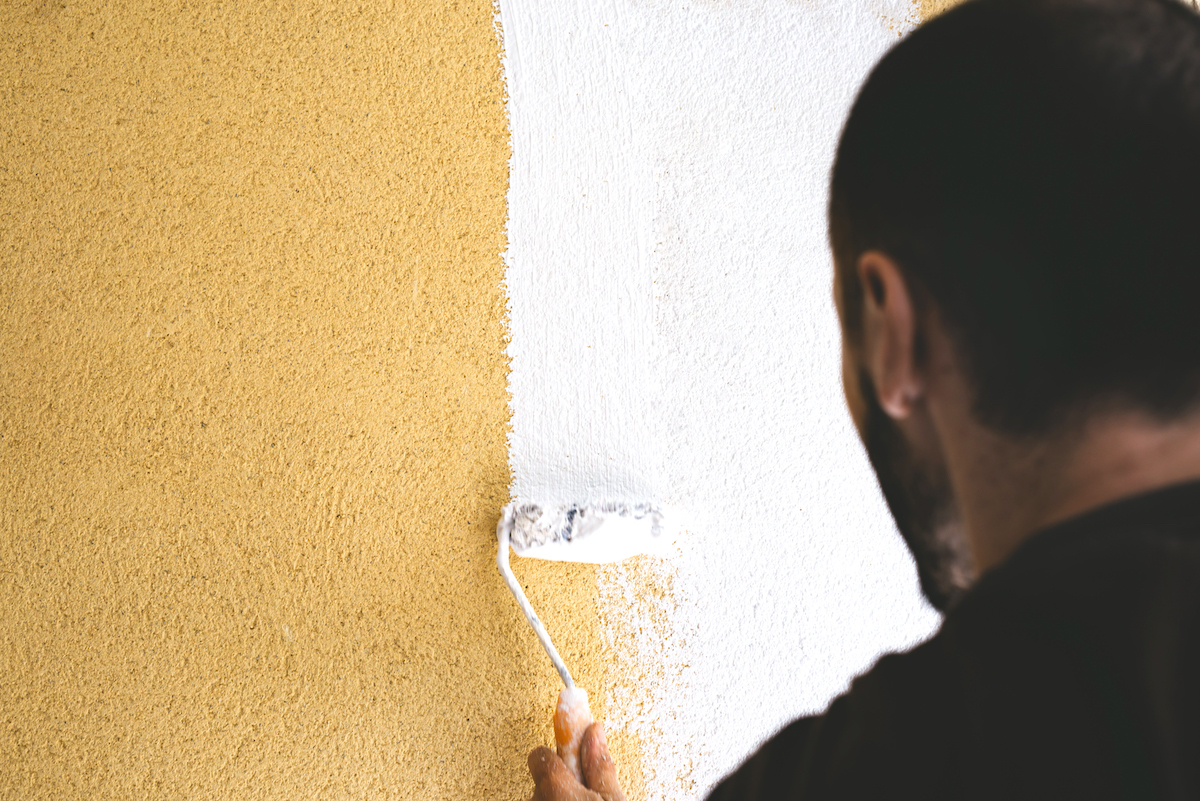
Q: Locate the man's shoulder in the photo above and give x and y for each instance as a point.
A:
(888, 731)
(1070, 671)
(943, 720)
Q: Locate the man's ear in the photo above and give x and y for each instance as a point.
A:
(889, 334)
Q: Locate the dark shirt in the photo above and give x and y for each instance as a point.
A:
(1071, 670)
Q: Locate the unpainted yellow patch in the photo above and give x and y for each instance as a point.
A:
(253, 408)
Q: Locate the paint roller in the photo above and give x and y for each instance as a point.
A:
(608, 531)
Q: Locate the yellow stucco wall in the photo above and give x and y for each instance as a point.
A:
(253, 408)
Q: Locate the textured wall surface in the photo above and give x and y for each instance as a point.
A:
(253, 401)
(253, 408)
(673, 335)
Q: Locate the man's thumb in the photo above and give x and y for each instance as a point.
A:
(599, 771)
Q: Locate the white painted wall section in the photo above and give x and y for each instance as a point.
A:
(578, 274)
(673, 336)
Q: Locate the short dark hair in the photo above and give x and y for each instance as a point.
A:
(1033, 166)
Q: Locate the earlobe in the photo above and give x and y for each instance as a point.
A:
(889, 334)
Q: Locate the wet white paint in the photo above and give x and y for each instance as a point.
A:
(673, 338)
(578, 269)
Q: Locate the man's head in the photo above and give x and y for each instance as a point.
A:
(1032, 170)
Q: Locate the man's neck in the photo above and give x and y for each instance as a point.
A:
(1121, 455)
(1009, 489)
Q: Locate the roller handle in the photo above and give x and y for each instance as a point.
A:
(571, 720)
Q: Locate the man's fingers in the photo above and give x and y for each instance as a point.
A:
(599, 770)
(546, 767)
(552, 780)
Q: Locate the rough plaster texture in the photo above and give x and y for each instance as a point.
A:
(578, 276)
(253, 408)
(673, 334)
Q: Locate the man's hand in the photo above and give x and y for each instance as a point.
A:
(554, 782)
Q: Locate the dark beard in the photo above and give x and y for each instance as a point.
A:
(922, 503)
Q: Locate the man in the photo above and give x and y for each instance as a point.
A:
(1015, 222)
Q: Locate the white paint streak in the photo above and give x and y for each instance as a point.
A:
(578, 279)
(673, 337)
